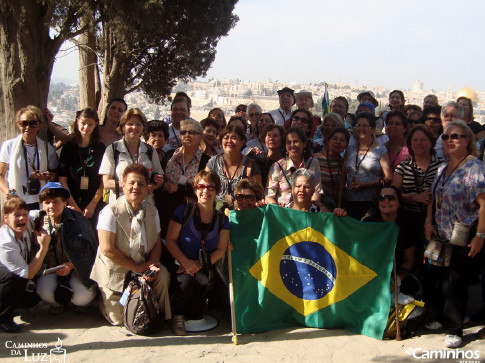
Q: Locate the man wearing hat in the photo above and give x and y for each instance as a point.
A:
(287, 100)
(367, 96)
(73, 251)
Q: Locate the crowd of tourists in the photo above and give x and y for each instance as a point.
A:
(132, 197)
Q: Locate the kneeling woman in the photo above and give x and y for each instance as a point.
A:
(18, 264)
(202, 228)
(129, 240)
(73, 246)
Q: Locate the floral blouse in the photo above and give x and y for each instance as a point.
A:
(175, 167)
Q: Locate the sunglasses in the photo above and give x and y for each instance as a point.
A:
(240, 109)
(254, 114)
(302, 119)
(452, 136)
(245, 197)
(190, 132)
(435, 120)
(389, 197)
(30, 123)
(210, 188)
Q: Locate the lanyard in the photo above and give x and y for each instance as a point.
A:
(176, 137)
(357, 163)
(330, 170)
(226, 174)
(84, 163)
(129, 152)
(27, 159)
(395, 158)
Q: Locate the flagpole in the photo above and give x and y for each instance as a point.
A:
(396, 302)
(231, 297)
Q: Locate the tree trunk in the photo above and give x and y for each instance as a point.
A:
(87, 65)
(27, 54)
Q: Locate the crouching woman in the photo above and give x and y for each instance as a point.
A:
(129, 240)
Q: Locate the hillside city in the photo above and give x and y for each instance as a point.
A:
(227, 94)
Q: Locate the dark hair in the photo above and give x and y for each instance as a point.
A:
(109, 105)
(223, 116)
(401, 94)
(309, 116)
(432, 109)
(87, 112)
(410, 108)
(428, 134)
(374, 213)
(209, 122)
(136, 169)
(183, 95)
(209, 175)
(157, 125)
(307, 152)
(368, 116)
(240, 118)
(399, 114)
(180, 99)
(236, 129)
(340, 130)
(470, 105)
(52, 193)
(271, 127)
(14, 203)
(252, 185)
(343, 99)
(242, 106)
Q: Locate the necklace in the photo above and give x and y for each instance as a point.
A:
(357, 162)
(445, 179)
(395, 158)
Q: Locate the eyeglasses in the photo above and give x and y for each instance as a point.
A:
(254, 114)
(208, 131)
(452, 136)
(302, 119)
(190, 132)
(261, 120)
(210, 188)
(30, 123)
(361, 125)
(435, 120)
(389, 197)
(240, 109)
(245, 197)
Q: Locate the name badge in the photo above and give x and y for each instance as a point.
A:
(84, 182)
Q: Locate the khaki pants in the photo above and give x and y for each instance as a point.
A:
(112, 310)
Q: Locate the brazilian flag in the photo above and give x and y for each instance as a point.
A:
(313, 269)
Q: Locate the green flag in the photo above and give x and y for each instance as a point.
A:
(314, 269)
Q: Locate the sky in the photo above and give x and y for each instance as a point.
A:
(371, 43)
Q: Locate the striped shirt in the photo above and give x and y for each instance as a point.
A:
(417, 181)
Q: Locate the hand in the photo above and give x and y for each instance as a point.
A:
(191, 267)
(256, 151)
(261, 202)
(356, 185)
(89, 210)
(340, 212)
(153, 267)
(158, 179)
(48, 115)
(230, 247)
(43, 239)
(429, 231)
(424, 197)
(171, 187)
(149, 189)
(66, 270)
(475, 246)
(44, 175)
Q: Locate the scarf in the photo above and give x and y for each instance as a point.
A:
(137, 232)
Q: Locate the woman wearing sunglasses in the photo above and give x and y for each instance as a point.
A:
(388, 207)
(194, 231)
(181, 169)
(458, 216)
(247, 193)
(303, 119)
(27, 162)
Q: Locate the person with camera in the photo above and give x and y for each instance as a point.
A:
(27, 162)
(71, 252)
(129, 241)
(18, 263)
(457, 217)
(197, 238)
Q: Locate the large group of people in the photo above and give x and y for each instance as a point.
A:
(150, 198)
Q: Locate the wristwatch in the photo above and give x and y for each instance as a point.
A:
(480, 235)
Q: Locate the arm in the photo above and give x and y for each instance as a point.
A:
(221, 248)
(272, 185)
(89, 210)
(35, 265)
(109, 182)
(107, 246)
(255, 172)
(70, 201)
(190, 267)
(476, 243)
(429, 229)
(58, 134)
(3, 179)
(386, 168)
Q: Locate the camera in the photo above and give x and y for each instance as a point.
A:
(33, 186)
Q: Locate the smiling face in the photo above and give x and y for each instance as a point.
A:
(338, 106)
(420, 143)
(294, 146)
(263, 121)
(301, 120)
(115, 111)
(363, 129)
(205, 190)
(245, 199)
(17, 221)
(54, 208)
(388, 202)
(231, 142)
(134, 188)
(210, 135)
(133, 128)
(218, 116)
(253, 115)
(338, 143)
(450, 114)
(180, 111)
(86, 126)
(395, 101)
(394, 127)
(457, 143)
(156, 139)
(302, 191)
(273, 139)
(29, 126)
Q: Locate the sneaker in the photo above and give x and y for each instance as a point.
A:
(452, 341)
(433, 325)
(481, 334)
(178, 325)
(9, 327)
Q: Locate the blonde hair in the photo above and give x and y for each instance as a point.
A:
(472, 143)
(132, 112)
(31, 111)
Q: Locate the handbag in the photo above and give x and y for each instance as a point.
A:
(141, 313)
(439, 252)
